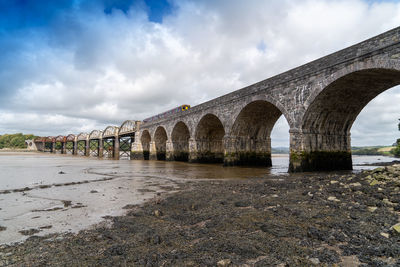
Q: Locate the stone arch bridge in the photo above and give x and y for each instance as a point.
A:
(320, 101)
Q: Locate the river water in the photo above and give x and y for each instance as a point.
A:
(62, 193)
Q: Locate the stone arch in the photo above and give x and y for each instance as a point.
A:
(250, 142)
(180, 141)
(327, 121)
(209, 139)
(145, 139)
(160, 140)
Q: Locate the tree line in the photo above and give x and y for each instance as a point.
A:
(396, 151)
(15, 140)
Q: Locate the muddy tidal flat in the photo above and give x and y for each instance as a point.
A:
(331, 219)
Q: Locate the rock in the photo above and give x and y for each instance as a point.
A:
(242, 204)
(29, 232)
(396, 228)
(334, 182)
(66, 203)
(374, 182)
(332, 198)
(157, 213)
(94, 191)
(357, 184)
(386, 235)
(387, 202)
(224, 263)
(372, 209)
(378, 170)
(315, 261)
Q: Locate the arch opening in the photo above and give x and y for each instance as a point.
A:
(209, 140)
(180, 141)
(145, 140)
(251, 135)
(326, 125)
(58, 147)
(69, 147)
(160, 139)
(94, 147)
(81, 147)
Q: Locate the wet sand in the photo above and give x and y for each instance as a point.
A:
(342, 219)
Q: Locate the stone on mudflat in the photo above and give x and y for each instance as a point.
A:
(396, 228)
(374, 182)
(386, 235)
(157, 213)
(332, 198)
(315, 261)
(388, 202)
(372, 209)
(224, 263)
(377, 170)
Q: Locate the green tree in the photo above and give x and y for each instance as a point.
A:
(14, 140)
(396, 151)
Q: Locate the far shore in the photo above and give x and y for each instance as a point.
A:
(16, 150)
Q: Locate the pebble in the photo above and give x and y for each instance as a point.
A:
(224, 263)
(357, 184)
(315, 261)
(396, 227)
(372, 209)
(157, 213)
(374, 182)
(385, 235)
(332, 198)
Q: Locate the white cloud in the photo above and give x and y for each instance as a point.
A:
(93, 69)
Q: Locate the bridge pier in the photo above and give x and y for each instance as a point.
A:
(87, 147)
(64, 148)
(169, 154)
(319, 152)
(192, 150)
(152, 151)
(116, 147)
(247, 151)
(101, 148)
(137, 150)
(75, 148)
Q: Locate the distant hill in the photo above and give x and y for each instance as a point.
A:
(373, 150)
(280, 150)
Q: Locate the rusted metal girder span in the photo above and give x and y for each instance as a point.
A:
(113, 142)
(319, 100)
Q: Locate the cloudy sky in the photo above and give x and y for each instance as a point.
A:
(69, 66)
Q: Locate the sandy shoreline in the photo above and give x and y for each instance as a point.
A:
(297, 220)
